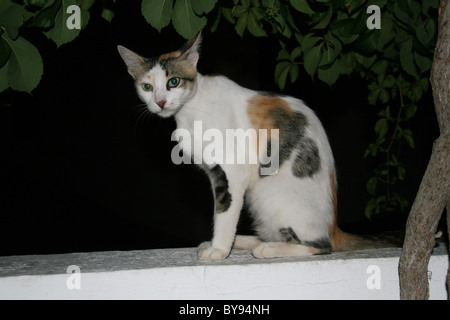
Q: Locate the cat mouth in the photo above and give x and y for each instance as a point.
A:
(167, 112)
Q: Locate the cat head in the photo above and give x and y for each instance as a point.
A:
(167, 82)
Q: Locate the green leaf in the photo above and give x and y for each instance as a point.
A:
(407, 58)
(157, 12)
(203, 6)
(312, 59)
(24, 67)
(345, 63)
(330, 74)
(302, 6)
(332, 50)
(380, 3)
(410, 111)
(424, 63)
(367, 42)
(37, 3)
(372, 150)
(87, 4)
(228, 15)
(4, 52)
(109, 8)
(358, 24)
(281, 72)
(60, 33)
(254, 24)
(4, 77)
(241, 24)
(389, 81)
(408, 136)
(342, 28)
(385, 34)
(371, 206)
(365, 61)
(434, 4)
(46, 17)
(108, 14)
(380, 67)
(381, 127)
(401, 172)
(309, 41)
(325, 19)
(402, 15)
(11, 17)
(249, 18)
(371, 185)
(384, 96)
(295, 53)
(294, 72)
(184, 19)
(283, 55)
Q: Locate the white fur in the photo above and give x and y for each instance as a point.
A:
(276, 202)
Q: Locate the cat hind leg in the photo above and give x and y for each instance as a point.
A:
(292, 246)
(246, 242)
(267, 250)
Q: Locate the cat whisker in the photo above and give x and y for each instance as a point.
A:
(141, 112)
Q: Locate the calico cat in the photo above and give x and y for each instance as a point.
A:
(293, 207)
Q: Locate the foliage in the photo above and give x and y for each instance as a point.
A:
(21, 66)
(328, 39)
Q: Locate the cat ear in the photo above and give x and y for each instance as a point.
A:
(132, 60)
(191, 49)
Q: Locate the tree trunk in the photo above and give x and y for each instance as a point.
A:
(434, 190)
(448, 233)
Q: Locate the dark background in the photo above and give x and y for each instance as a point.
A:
(82, 170)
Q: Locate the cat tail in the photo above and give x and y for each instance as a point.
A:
(343, 241)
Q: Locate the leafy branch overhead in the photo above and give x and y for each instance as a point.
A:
(329, 40)
(21, 66)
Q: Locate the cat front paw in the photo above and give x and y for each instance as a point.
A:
(208, 253)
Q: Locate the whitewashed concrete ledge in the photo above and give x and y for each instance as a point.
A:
(177, 274)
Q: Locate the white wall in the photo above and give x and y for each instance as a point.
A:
(177, 274)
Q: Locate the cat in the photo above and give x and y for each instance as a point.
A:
(293, 207)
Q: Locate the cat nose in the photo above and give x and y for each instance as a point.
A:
(161, 103)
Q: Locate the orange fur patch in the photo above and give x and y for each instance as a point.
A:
(340, 240)
(174, 54)
(260, 111)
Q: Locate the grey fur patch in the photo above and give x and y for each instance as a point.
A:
(323, 244)
(289, 235)
(220, 185)
(292, 129)
(292, 138)
(175, 67)
(307, 161)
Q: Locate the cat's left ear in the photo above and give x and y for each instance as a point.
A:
(133, 61)
(191, 49)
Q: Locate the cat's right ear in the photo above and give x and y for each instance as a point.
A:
(132, 60)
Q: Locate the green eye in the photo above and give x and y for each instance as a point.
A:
(173, 82)
(147, 87)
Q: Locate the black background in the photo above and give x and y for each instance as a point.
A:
(82, 170)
